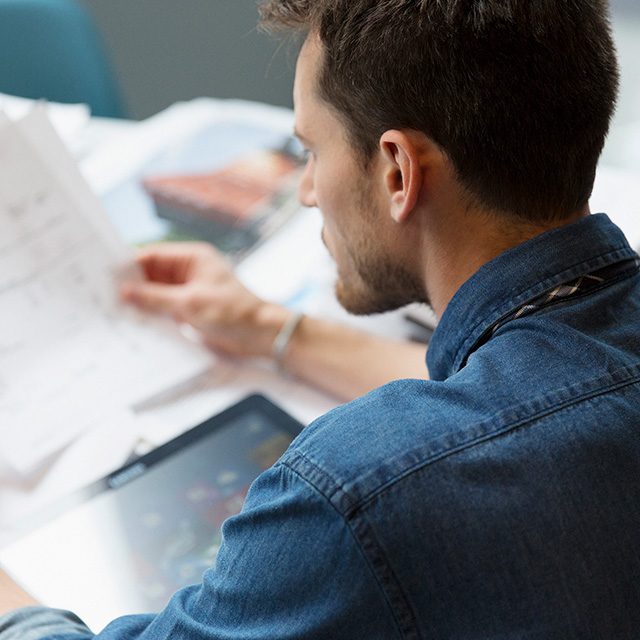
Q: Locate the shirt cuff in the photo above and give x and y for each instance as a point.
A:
(36, 623)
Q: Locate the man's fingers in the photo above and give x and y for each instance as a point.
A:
(164, 267)
(176, 262)
(151, 296)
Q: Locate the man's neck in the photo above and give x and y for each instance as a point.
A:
(456, 250)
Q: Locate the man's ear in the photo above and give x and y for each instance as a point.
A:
(402, 173)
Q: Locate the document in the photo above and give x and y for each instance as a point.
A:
(70, 352)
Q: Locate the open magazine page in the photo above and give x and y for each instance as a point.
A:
(235, 207)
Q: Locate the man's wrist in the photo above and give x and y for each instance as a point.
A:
(268, 323)
(281, 342)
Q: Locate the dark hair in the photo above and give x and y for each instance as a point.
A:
(518, 93)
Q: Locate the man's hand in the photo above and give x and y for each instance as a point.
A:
(12, 596)
(194, 283)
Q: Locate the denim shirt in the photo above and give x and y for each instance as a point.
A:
(501, 499)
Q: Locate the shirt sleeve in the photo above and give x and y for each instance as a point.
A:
(289, 567)
(34, 623)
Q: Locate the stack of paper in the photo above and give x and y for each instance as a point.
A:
(70, 352)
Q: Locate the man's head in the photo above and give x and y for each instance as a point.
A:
(358, 232)
(517, 93)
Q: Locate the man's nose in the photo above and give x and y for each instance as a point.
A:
(306, 188)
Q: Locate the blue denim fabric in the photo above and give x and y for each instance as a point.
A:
(32, 623)
(500, 500)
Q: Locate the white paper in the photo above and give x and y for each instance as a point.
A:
(69, 120)
(69, 351)
(114, 163)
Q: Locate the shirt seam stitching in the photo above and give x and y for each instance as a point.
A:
(621, 252)
(366, 499)
(576, 296)
(535, 313)
(347, 522)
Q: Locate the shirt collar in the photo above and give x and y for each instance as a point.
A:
(517, 276)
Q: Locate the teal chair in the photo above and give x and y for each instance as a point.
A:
(51, 49)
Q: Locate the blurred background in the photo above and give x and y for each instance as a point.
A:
(165, 51)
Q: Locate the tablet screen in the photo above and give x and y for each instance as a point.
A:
(154, 526)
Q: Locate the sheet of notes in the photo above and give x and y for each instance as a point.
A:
(69, 350)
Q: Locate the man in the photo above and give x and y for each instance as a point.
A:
(452, 149)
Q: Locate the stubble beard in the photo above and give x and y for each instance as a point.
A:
(380, 285)
(375, 281)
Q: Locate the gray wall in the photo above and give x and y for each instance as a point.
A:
(626, 8)
(169, 50)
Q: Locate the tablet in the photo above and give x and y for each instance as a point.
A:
(129, 541)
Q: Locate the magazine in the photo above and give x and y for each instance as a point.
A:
(236, 207)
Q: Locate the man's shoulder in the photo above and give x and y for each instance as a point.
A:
(360, 446)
